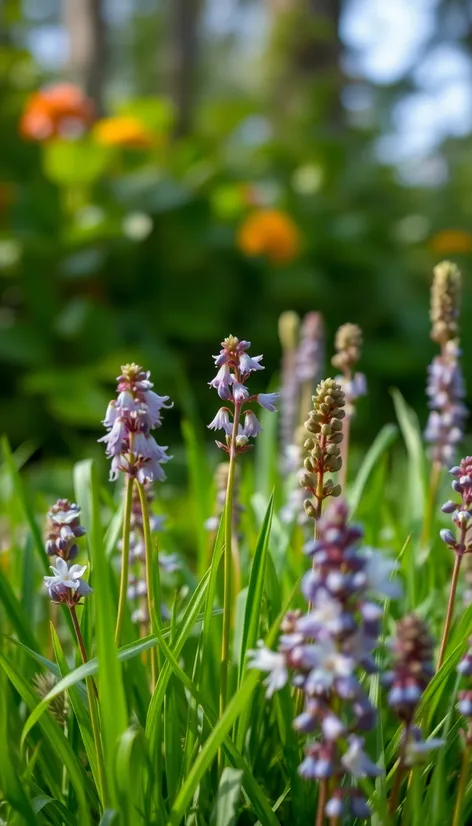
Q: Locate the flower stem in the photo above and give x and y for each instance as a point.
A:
(152, 580)
(450, 609)
(228, 561)
(322, 795)
(124, 559)
(463, 778)
(400, 771)
(92, 697)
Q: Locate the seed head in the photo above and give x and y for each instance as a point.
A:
(445, 302)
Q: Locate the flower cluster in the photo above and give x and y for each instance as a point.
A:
(137, 585)
(445, 389)
(234, 368)
(446, 393)
(348, 345)
(461, 513)
(310, 356)
(465, 696)
(412, 671)
(325, 649)
(64, 528)
(324, 426)
(272, 233)
(129, 420)
(61, 110)
(445, 302)
(123, 131)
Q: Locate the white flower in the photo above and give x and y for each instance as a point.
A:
(418, 750)
(273, 662)
(330, 663)
(222, 421)
(66, 578)
(357, 762)
(65, 517)
(137, 226)
(268, 400)
(252, 426)
(379, 569)
(248, 364)
(327, 614)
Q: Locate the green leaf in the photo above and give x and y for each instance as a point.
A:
(59, 743)
(379, 446)
(411, 432)
(227, 797)
(75, 163)
(25, 505)
(20, 622)
(112, 703)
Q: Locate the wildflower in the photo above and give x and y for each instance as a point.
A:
(445, 302)
(310, 355)
(123, 131)
(235, 366)
(129, 420)
(446, 392)
(449, 241)
(272, 233)
(348, 345)
(64, 529)
(43, 684)
(324, 426)
(324, 651)
(67, 585)
(61, 111)
(413, 666)
(274, 664)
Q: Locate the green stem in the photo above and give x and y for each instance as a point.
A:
(124, 560)
(228, 561)
(450, 609)
(463, 778)
(152, 580)
(92, 697)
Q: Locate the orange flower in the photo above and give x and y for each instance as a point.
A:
(123, 130)
(450, 241)
(56, 111)
(272, 233)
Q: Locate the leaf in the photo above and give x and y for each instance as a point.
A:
(209, 750)
(410, 428)
(227, 797)
(380, 445)
(74, 163)
(58, 742)
(14, 609)
(26, 507)
(113, 712)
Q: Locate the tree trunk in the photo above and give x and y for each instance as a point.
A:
(85, 24)
(305, 52)
(185, 17)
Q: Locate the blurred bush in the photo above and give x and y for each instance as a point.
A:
(128, 240)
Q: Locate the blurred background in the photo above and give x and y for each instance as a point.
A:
(175, 170)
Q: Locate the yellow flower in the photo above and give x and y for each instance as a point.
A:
(272, 233)
(450, 241)
(124, 131)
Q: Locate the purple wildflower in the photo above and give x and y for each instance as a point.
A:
(129, 420)
(235, 366)
(64, 529)
(67, 585)
(324, 650)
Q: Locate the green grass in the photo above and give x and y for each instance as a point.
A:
(161, 747)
